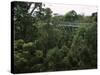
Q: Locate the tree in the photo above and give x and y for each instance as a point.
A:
(71, 16)
(40, 44)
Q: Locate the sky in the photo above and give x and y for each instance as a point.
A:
(61, 9)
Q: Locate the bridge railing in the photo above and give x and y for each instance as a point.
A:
(74, 24)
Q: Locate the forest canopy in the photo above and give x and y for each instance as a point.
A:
(45, 42)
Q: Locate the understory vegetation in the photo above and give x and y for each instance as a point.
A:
(51, 42)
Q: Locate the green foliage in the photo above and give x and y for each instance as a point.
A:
(27, 45)
(71, 16)
(39, 53)
(41, 45)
